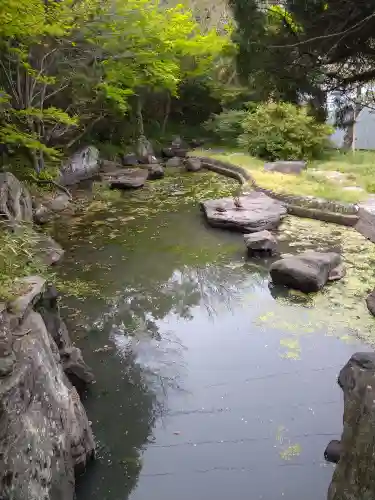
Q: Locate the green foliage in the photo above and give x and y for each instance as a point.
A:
(283, 132)
(226, 127)
(74, 67)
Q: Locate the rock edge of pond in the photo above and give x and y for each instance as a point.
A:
(46, 438)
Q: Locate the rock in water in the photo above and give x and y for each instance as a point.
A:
(84, 164)
(15, 200)
(167, 153)
(260, 243)
(257, 212)
(193, 164)
(308, 271)
(155, 172)
(353, 478)
(130, 160)
(333, 451)
(50, 252)
(285, 167)
(131, 178)
(44, 213)
(45, 435)
(174, 162)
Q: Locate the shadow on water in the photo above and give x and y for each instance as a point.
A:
(206, 383)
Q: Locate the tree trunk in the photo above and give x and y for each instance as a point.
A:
(348, 137)
(167, 112)
(139, 116)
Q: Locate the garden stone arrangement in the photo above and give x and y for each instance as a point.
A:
(247, 214)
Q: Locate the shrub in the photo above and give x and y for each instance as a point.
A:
(283, 131)
(226, 127)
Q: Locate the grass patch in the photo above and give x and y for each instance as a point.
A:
(357, 167)
(19, 257)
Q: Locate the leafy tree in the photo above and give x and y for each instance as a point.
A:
(306, 47)
(67, 66)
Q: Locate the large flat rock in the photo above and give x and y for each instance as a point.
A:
(366, 223)
(127, 178)
(256, 213)
(285, 167)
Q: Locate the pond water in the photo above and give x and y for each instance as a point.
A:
(209, 384)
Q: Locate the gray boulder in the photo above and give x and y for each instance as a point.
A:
(84, 164)
(167, 153)
(155, 172)
(75, 368)
(107, 166)
(79, 374)
(193, 164)
(50, 252)
(260, 243)
(130, 160)
(45, 435)
(46, 212)
(353, 477)
(146, 154)
(131, 178)
(197, 143)
(174, 162)
(308, 271)
(15, 200)
(247, 214)
(179, 146)
(285, 167)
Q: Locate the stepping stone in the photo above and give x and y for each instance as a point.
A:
(308, 271)
(132, 178)
(256, 212)
(260, 243)
(193, 164)
(285, 167)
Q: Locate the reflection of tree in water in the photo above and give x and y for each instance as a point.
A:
(149, 362)
(125, 410)
(137, 310)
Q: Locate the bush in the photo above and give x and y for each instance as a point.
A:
(227, 126)
(283, 131)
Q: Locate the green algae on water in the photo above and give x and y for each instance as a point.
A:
(340, 308)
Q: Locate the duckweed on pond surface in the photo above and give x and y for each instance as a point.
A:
(132, 220)
(341, 304)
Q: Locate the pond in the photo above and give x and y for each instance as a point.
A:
(209, 384)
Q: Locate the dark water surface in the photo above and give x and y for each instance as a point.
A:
(198, 394)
